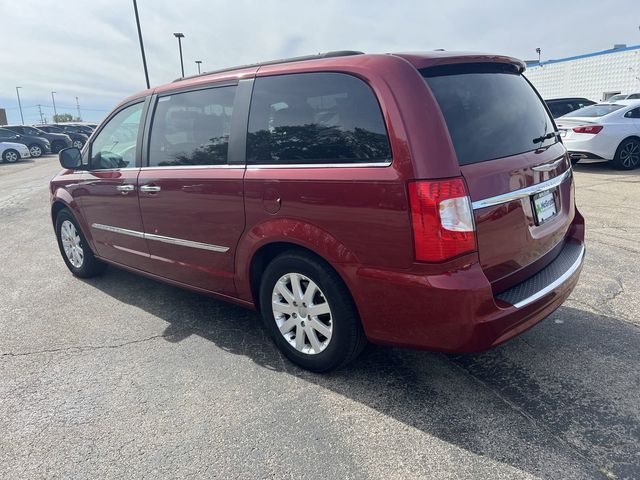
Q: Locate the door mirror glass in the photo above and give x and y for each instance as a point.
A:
(70, 158)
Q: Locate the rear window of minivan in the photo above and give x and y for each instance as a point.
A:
(315, 118)
(491, 110)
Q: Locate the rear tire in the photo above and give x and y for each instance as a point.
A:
(10, 156)
(74, 248)
(627, 155)
(318, 342)
(35, 150)
(57, 146)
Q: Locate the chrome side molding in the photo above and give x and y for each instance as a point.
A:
(160, 238)
(522, 193)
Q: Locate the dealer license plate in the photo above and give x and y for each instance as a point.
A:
(544, 206)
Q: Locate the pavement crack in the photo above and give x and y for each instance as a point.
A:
(81, 348)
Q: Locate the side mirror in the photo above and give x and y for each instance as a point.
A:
(70, 158)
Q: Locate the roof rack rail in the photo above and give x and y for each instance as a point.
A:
(337, 53)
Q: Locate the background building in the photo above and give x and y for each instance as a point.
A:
(595, 76)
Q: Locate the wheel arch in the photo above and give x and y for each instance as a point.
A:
(266, 241)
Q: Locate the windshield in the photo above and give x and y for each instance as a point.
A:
(491, 111)
(598, 110)
(615, 98)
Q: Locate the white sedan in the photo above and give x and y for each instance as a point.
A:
(604, 131)
(12, 152)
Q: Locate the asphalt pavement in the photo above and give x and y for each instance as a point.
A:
(125, 377)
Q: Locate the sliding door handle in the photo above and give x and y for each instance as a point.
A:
(124, 189)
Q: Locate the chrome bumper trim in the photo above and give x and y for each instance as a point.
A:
(553, 285)
(160, 238)
(523, 192)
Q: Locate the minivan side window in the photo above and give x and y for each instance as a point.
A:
(192, 128)
(115, 145)
(315, 118)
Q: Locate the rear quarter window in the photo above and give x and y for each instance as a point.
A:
(315, 118)
(491, 110)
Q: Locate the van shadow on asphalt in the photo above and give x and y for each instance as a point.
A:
(568, 387)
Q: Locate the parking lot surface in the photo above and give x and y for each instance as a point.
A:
(124, 377)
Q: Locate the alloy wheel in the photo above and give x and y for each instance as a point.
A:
(302, 313)
(630, 155)
(35, 151)
(78, 144)
(11, 156)
(71, 243)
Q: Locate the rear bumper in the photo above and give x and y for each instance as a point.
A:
(457, 311)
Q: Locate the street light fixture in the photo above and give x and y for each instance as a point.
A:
(55, 112)
(198, 62)
(180, 36)
(20, 104)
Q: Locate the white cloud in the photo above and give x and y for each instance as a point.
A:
(90, 49)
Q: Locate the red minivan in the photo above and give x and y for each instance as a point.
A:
(416, 200)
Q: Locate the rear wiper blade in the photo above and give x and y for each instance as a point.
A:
(545, 137)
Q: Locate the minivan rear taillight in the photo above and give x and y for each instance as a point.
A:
(442, 219)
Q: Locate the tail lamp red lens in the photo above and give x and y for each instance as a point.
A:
(593, 129)
(442, 219)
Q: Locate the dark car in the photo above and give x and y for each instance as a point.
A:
(347, 197)
(38, 145)
(78, 139)
(58, 141)
(81, 128)
(561, 106)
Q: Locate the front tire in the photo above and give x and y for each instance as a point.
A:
(627, 155)
(74, 247)
(309, 312)
(10, 156)
(78, 144)
(35, 150)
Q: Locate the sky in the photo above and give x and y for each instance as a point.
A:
(89, 48)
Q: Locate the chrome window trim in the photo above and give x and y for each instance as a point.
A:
(320, 165)
(553, 285)
(161, 238)
(522, 193)
(190, 167)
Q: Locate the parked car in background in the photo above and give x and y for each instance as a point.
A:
(78, 127)
(78, 139)
(71, 128)
(604, 131)
(12, 152)
(38, 146)
(623, 96)
(58, 141)
(347, 197)
(561, 106)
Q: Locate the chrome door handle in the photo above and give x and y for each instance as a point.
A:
(124, 189)
(150, 188)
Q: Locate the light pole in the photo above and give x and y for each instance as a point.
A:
(78, 105)
(198, 62)
(538, 51)
(180, 36)
(144, 59)
(55, 112)
(20, 104)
